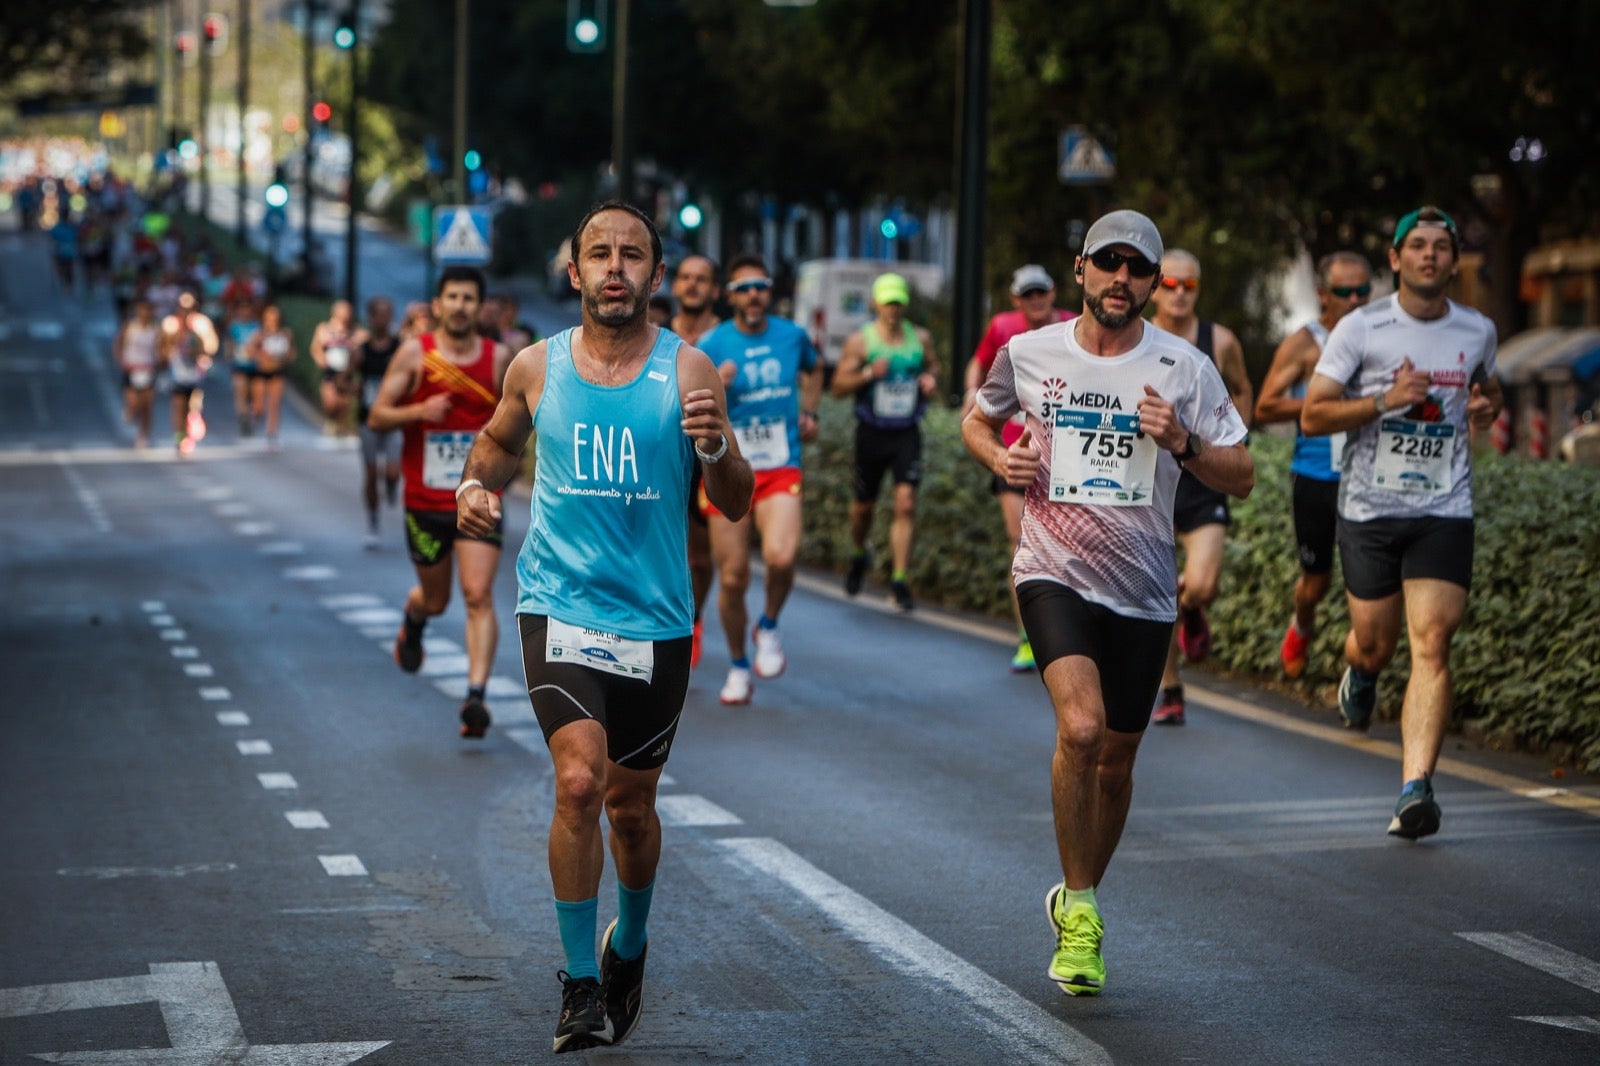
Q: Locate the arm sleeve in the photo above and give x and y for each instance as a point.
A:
(997, 397)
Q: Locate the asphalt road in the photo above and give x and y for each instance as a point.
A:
(234, 832)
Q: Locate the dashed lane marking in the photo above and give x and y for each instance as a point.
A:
(311, 573)
(174, 634)
(254, 747)
(215, 694)
(199, 670)
(282, 547)
(342, 865)
(306, 819)
(686, 811)
(186, 651)
(152, 607)
(162, 620)
(277, 781)
(233, 718)
(255, 529)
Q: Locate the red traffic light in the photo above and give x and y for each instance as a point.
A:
(212, 27)
(185, 42)
(321, 111)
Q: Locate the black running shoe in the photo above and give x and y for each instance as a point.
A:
(474, 718)
(583, 1023)
(1417, 814)
(622, 985)
(408, 647)
(900, 594)
(857, 575)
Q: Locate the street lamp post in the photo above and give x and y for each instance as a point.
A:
(621, 109)
(973, 167)
(309, 43)
(352, 131)
(244, 103)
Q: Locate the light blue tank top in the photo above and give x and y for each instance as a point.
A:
(608, 544)
(1313, 456)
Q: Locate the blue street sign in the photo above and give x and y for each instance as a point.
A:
(461, 235)
(275, 221)
(1083, 159)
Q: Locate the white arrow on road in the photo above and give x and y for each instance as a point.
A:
(199, 1013)
(1553, 960)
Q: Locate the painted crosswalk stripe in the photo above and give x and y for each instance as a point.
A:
(689, 811)
(277, 781)
(174, 634)
(215, 694)
(186, 651)
(351, 600)
(233, 718)
(371, 616)
(199, 670)
(254, 747)
(311, 573)
(162, 620)
(254, 529)
(282, 547)
(342, 865)
(306, 819)
(152, 607)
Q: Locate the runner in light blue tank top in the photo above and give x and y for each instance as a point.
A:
(1313, 456)
(609, 460)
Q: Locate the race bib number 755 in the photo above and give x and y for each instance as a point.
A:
(1102, 459)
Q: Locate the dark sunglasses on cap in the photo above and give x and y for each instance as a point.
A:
(753, 285)
(1187, 284)
(1111, 262)
(1344, 292)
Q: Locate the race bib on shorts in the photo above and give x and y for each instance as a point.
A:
(764, 442)
(1415, 456)
(444, 456)
(141, 379)
(895, 398)
(606, 652)
(1101, 459)
(338, 359)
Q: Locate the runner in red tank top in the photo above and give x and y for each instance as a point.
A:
(440, 389)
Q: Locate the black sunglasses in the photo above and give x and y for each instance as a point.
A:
(753, 285)
(1111, 262)
(1344, 292)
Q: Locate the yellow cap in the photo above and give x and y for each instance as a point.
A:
(890, 289)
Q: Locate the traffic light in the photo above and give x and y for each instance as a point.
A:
(472, 160)
(321, 112)
(690, 216)
(184, 43)
(586, 26)
(277, 194)
(344, 34)
(889, 228)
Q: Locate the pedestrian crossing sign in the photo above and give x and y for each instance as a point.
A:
(461, 236)
(1084, 160)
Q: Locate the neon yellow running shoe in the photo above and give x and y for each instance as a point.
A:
(1077, 967)
(1022, 662)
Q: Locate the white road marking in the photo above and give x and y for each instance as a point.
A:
(277, 781)
(456, 687)
(232, 509)
(351, 600)
(1581, 1022)
(186, 651)
(111, 873)
(46, 329)
(306, 819)
(693, 811)
(1555, 961)
(174, 634)
(441, 665)
(384, 635)
(213, 492)
(202, 1023)
(442, 646)
(282, 547)
(342, 865)
(162, 620)
(199, 670)
(254, 529)
(233, 718)
(215, 693)
(371, 616)
(533, 741)
(311, 573)
(253, 747)
(1030, 1032)
(666, 780)
(152, 606)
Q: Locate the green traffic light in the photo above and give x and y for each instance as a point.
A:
(586, 31)
(472, 160)
(691, 216)
(344, 37)
(277, 195)
(889, 230)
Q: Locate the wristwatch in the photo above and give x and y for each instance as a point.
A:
(714, 456)
(1190, 450)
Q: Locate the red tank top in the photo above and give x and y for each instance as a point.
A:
(434, 452)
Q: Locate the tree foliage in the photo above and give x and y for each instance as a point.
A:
(73, 43)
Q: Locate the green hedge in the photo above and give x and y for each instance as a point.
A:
(1526, 662)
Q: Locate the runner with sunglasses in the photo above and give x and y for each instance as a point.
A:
(1116, 409)
(1344, 283)
(771, 371)
(1200, 513)
(1407, 377)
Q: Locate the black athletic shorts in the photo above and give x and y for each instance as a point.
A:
(880, 451)
(696, 516)
(1316, 521)
(430, 535)
(640, 717)
(1129, 652)
(998, 486)
(1198, 505)
(1381, 555)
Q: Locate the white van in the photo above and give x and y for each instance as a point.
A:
(833, 297)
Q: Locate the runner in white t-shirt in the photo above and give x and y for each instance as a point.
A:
(1115, 409)
(1405, 377)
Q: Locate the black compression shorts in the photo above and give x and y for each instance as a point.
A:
(1381, 555)
(1316, 521)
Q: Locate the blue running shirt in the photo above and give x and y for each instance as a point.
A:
(1313, 456)
(764, 399)
(607, 548)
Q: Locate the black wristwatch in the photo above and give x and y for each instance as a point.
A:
(1190, 450)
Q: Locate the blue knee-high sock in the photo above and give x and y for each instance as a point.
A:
(577, 922)
(633, 909)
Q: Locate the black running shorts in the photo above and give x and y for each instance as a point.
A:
(1316, 521)
(881, 451)
(640, 717)
(1129, 652)
(1381, 555)
(1196, 504)
(430, 535)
